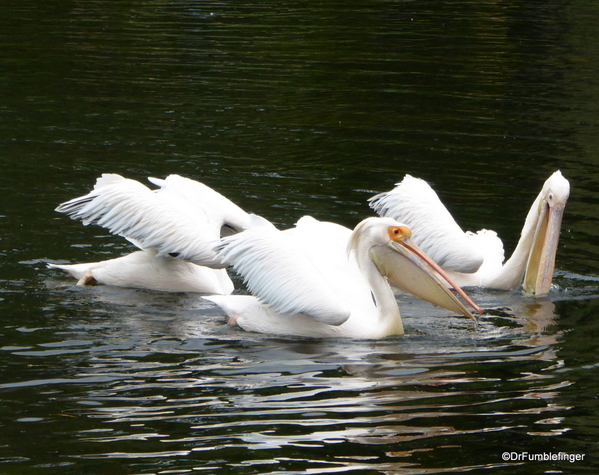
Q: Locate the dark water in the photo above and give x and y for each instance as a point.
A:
(293, 108)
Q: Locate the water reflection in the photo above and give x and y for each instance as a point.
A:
(293, 109)
(143, 378)
(312, 409)
(142, 373)
(161, 377)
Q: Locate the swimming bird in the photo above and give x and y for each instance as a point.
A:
(477, 259)
(176, 227)
(320, 279)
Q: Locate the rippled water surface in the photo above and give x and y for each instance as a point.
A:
(294, 108)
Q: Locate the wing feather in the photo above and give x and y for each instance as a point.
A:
(414, 203)
(279, 269)
(201, 200)
(181, 219)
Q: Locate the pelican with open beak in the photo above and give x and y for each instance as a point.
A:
(477, 259)
(304, 283)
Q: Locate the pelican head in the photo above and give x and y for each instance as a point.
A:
(546, 218)
(390, 247)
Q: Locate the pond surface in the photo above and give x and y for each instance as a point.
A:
(294, 108)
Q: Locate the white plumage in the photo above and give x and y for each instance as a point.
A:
(311, 256)
(316, 279)
(305, 283)
(416, 204)
(176, 226)
(477, 259)
(146, 270)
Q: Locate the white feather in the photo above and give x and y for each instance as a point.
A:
(145, 270)
(176, 226)
(414, 203)
(318, 279)
(289, 274)
(182, 219)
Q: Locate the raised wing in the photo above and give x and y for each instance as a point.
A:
(201, 201)
(287, 273)
(414, 203)
(182, 219)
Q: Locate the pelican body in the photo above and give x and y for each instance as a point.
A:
(477, 259)
(175, 226)
(317, 279)
(146, 270)
(304, 283)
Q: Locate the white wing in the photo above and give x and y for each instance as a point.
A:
(414, 203)
(182, 219)
(207, 205)
(304, 270)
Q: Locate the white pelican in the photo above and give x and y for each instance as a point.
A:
(176, 226)
(304, 283)
(147, 270)
(477, 259)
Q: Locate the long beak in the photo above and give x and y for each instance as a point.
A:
(541, 261)
(412, 271)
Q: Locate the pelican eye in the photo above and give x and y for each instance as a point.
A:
(399, 233)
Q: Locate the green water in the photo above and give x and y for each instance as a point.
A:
(294, 108)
